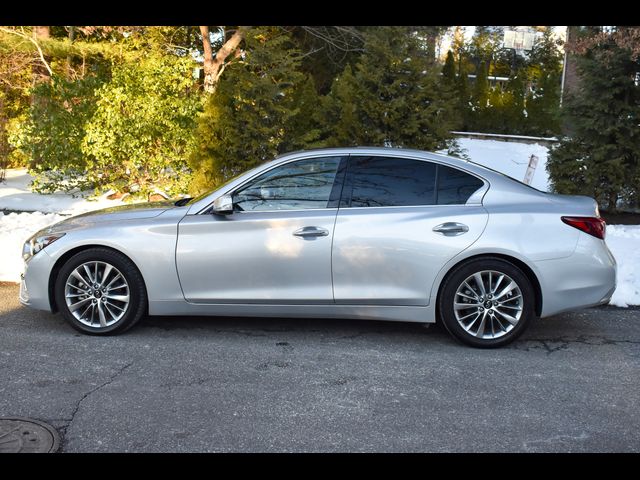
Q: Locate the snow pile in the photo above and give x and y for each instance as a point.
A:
(623, 241)
(15, 228)
(15, 194)
(510, 158)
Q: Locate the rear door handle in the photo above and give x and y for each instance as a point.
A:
(451, 229)
(311, 232)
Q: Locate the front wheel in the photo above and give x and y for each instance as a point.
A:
(487, 302)
(100, 291)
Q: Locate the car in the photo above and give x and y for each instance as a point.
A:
(356, 233)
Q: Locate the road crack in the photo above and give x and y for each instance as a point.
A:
(69, 421)
(552, 345)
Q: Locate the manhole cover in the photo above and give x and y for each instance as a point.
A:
(23, 435)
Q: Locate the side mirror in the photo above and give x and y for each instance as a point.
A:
(223, 205)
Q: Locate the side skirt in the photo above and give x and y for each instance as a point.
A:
(366, 312)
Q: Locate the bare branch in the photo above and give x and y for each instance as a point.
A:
(32, 40)
(338, 37)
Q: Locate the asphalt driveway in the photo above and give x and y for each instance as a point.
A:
(571, 384)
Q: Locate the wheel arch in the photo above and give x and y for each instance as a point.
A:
(526, 269)
(70, 253)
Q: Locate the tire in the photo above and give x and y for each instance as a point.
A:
(506, 316)
(109, 309)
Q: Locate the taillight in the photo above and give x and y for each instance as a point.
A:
(595, 226)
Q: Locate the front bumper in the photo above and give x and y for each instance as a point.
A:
(34, 282)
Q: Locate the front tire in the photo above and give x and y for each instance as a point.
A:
(100, 292)
(487, 302)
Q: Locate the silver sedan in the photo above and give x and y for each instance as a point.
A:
(370, 233)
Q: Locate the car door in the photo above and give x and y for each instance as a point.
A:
(400, 221)
(276, 245)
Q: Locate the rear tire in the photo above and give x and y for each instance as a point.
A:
(100, 292)
(486, 303)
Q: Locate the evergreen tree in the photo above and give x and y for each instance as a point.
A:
(339, 112)
(465, 105)
(479, 99)
(449, 70)
(602, 158)
(252, 116)
(515, 112)
(392, 97)
(544, 71)
(302, 128)
(481, 87)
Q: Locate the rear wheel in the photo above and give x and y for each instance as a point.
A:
(487, 302)
(100, 291)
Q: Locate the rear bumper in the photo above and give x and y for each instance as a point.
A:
(585, 279)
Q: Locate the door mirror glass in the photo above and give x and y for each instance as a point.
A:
(223, 205)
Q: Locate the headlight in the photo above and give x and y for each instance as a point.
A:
(37, 243)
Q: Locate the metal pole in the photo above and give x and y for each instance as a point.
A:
(564, 73)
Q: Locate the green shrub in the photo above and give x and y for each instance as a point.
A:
(139, 135)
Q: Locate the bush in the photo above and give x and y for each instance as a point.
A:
(51, 135)
(142, 128)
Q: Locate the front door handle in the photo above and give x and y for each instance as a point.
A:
(451, 229)
(306, 232)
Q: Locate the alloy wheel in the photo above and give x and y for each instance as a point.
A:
(97, 294)
(488, 304)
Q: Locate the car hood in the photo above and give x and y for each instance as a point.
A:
(112, 214)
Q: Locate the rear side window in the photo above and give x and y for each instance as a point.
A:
(455, 186)
(391, 182)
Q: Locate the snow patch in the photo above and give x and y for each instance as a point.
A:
(15, 228)
(623, 241)
(510, 158)
(16, 194)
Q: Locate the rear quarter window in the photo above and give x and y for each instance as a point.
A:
(455, 186)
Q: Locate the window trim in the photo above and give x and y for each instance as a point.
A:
(474, 200)
(345, 200)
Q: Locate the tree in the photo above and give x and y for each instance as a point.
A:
(602, 157)
(214, 64)
(393, 96)
(479, 99)
(449, 70)
(481, 86)
(326, 50)
(544, 70)
(249, 118)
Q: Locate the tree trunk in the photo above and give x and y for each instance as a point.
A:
(40, 75)
(72, 34)
(613, 202)
(214, 64)
(42, 33)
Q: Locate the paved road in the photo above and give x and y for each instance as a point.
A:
(205, 384)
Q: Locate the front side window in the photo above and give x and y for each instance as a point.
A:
(391, 182)
(297, 185)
